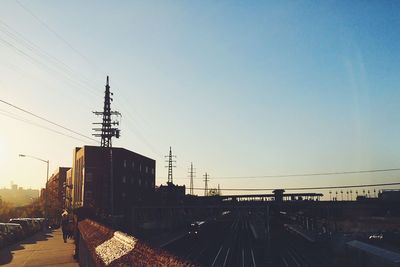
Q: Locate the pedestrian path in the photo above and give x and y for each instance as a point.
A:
(42, 249)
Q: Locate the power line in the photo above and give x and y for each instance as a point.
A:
(13, 116)
(304, 174)
(43, 54)
(62, 71)
(52, 31)
(307, 188)
(86, 59)
(137, 133)
(308, 174)
(48, 121)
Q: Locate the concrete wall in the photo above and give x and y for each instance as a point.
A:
(101, 246)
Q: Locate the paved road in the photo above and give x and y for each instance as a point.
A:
(42, 249)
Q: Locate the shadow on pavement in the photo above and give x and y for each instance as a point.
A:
(6, 254)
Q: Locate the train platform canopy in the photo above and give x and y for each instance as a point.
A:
(388, 255)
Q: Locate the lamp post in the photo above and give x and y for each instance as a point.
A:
(47, 180)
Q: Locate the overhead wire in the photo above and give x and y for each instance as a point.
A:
(48, 121)
(304, 174)
(308, 188)
(19, 38)
(35, 61)
(42, 57)
(148, 143)
(51, 30)
(135, 132)
(64, 69)
(15, 117)
(308, 174)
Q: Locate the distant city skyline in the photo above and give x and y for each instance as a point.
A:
(17, 195)
(239, 89)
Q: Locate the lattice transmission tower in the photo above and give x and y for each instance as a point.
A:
(171, 165)
(108, 129)
(192, 173)
(206, 180)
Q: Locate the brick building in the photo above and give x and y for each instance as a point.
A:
(56, 193)
(68, 190)
(111, 180)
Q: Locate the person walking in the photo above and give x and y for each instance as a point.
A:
(64, 225)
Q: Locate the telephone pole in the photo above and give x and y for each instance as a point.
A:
(206, 179)
(191, 175)
(170, 161)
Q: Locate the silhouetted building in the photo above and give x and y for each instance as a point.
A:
(56, 193)
(171, 193)
(111, 180)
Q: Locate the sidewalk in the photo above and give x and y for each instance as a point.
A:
(42, 249)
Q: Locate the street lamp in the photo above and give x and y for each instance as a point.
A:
(47, 180)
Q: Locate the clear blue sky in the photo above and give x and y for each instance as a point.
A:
(238, 87)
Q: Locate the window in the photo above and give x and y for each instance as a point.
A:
(124, 163)
(152, 170)
(147, 169)
(140, 181)
(133, 164)
(140, 167)
(123, 179)
(123, 194)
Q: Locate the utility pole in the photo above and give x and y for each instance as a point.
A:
(107, 131)
(206, 179)
(191, 175)
(171, 162)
